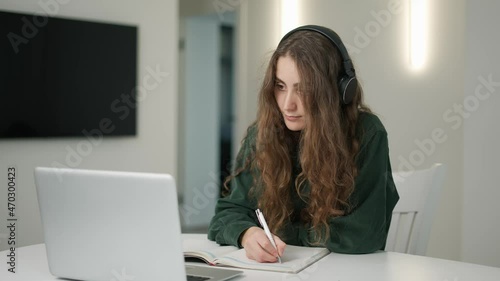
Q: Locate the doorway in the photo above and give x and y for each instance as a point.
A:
(206, 115)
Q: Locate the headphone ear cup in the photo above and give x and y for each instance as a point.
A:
(347, 88)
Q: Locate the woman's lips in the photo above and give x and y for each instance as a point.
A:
(292, 118)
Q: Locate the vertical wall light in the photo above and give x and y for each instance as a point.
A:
(289, 15)
(418, 33)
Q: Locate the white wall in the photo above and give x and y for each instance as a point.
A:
(411, 104)
(152, 150)
(481, 227)
(258, 34)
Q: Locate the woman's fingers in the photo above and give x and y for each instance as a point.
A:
(280, 244)
(258, 247)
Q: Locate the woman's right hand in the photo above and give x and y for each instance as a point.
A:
(258, 247)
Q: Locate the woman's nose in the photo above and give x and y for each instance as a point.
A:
(290, 102)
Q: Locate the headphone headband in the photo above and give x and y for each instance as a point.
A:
(348, 82)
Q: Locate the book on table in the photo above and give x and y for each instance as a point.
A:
(294, 259)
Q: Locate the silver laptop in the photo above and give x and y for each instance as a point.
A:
(114, 226)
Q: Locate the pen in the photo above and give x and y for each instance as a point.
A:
(263, 223)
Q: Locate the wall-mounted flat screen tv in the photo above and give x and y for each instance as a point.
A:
(66, 78)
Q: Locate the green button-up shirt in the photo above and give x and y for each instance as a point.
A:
(363, 230)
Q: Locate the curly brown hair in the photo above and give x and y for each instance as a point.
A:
(326, 147)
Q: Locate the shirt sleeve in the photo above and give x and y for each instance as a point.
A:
(236, 212)
(364, 229)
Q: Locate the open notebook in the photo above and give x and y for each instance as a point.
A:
(294, 259)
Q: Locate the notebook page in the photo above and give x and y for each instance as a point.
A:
(196, 245)
(294, 259)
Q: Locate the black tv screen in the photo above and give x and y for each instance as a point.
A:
(62, 77)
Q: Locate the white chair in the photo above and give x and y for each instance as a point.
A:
(412, 218)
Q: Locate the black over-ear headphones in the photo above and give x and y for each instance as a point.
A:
(347, 82)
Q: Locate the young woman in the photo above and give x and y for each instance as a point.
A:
(316, 161)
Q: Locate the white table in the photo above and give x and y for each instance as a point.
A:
(381, 266)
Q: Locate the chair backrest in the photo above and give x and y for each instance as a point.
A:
(412, 218)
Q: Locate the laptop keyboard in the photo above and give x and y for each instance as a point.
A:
(196, 278)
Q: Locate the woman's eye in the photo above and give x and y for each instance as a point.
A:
(279, 86)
